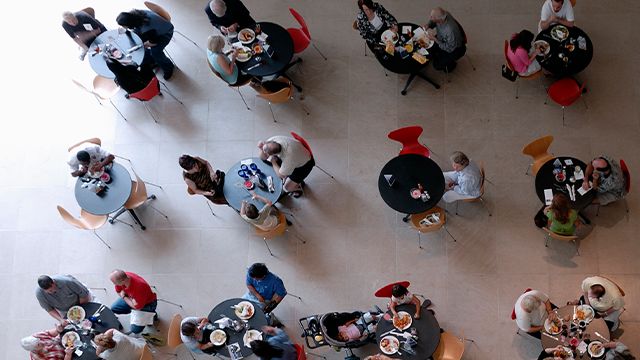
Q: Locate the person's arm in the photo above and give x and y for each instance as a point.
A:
(255, 293)
(68, 354)
(56, 315)
(565, 22)
(263, 199)
(587, 175)
(277, 168)
(392, 307)
(108, 160)
(387, 18)
(415, 301)
(243, 208)
(193, 187)
(544, 24)
(227, 66)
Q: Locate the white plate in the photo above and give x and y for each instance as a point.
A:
(389, 35)
(242, 305)
(71, 340)
(249, 34)
(559, 32)
(544, 44)
(403, 314)
(95, 175)
(595, 354)
(250, 336)
(218, 337)
(547, 327)
(76, 314)
(392, 345)
(246, 57)
(589, 313)
(423, 52)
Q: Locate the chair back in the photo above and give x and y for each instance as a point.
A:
(303, 142)
(138, 193)
(300, 40)
(513, 312)
(149, 92)
(385, 291)
(300, 20)
(464, 34)
(146, 353)
(408, 137)
(95, 141)
(173, 334)
(302, 355)
(93, 221)
(90, 11)
(559, 236)
(416, 218)
(450, 347)
(355, 25)
(565, 91)
(277, 231)
(213, 70)
(538, 148)
(280, 96)
(104, 87)
(614, 283)
(627, 176)
(158, 10)
(66, 216)
(573, 3)
(189, 191)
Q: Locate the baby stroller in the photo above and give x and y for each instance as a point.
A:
(322, 330)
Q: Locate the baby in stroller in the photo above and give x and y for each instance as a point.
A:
(359, 327)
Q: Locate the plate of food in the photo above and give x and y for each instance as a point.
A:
(218, 337)
(595, 349)
(553, 327)
(246, 36)
(560, 32)
(564, 353)
(542, 46)
(76, 314)
(244, 310)
(425, 42)
(71, 340)
(585, 313)
(389, 35)
(95, 174)
(389, 345)
(244, 54)
(250, 336)
(402, 321)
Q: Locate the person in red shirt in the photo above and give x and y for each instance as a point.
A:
(135, 293)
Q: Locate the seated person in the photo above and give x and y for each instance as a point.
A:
(225, 67)
(114, 345)
(266, 219)
(192, 335)
(130, 77)
(229, 16)
(554, 353)
(449, 38)
(608, 180)
(556, 12)
(378, 356)
(46, 345)
(372, 19)
(400, 295)
(604, 296)
(201, 179)
(83, 29)
(265, 288)
(359, 327)
(278, 346)
(617, 351)
(562, 218)
(134, 294)
(291, 161)
(532, 309)
(522, 55)
(57, 294)
(92, 157)
(464, 182)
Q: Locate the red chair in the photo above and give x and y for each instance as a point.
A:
(385, 291)
(565, 92)
(302, 354)
(301, 36)
(513, 312)
(306, 146)
(149, 92)
(408, 136)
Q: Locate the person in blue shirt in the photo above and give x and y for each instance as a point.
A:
(265, 287)
(278, 346)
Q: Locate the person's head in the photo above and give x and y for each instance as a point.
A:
(530, 303)
(560, 207)
(251, 211)
(105, 341)
(399, 291)
(118, 277)
(264, 350)
(596, 291)
(458, 160)
(190, 329)
(70, 18)
(438, 15)
(271, 148)
(365, 5)
(215, 43)
(557, 5)
(31, 343)
(601, 165)
(258, 271)
(187, 162)
(132, 19)
(47, 284)
(522, 39)
(218, 7)
(83, 157)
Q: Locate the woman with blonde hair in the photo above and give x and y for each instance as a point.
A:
(224, 66)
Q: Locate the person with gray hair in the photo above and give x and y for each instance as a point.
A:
(448, 35)
(532, 308)
(224, 66)
(56, 294)
(229, 16)
(291, 161)
(46, 345)
(464, 182)
(83, 28)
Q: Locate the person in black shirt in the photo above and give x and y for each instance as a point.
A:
(83, 29)
(130, 77)
(229, 15)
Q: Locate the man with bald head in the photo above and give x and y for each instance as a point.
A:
(449, 38)
(607, 179)
(82, 28)
(135, 293)
(291, 161)
(229, 16)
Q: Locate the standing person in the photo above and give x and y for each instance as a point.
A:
(201, 179)
(83, 28)
(372, 19)
(229, 16)
(277, 346)
(464, 182)
(562, 218)
(449, 38)
(57, 294)
(114, 345)
(46, 345)
(608, 180)
(400, 295)
(532, 308)
(92, 157)
(264, 287)
(135, 294)
(155, 32)
(522, 55)
(291, 161)
(556, 12)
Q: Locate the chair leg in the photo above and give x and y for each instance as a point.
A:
(626, 204)
(457, 203)
(585, 102)
(324, 171)
(268, 248)
(123, 158)
(294, 295)
(169, 56)
(527, 172)
(118, 110)
(517, 90)
(96, 234)
(446, 75)
(563, 124)
(419, 241)
(485, 205)
(111, 220)
(185, 36)
(152, 184)
(272, 114)
(170, 93)
(149, 111)
(298, 237)
(318, 50)
(242, 97)
(210, 208)
(172, 303)
(365, 49)
(160, 212)
(303, 107)
(576, 244)
(447, 230)
(471, 63)
(546, 240)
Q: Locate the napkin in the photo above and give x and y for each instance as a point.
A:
(237, 45)
(568, 161)
(582, 191)
(548, 196)
(406, 29)
(262, 37)
(419, 58)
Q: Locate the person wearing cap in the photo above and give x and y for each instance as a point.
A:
(46, 345)
(607, 180)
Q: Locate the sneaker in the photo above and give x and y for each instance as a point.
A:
(167, 74)
(289, 223)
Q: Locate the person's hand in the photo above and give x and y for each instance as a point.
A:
(273, 159)
(224, 30)
(232, 29)
(269, 330)
(416, 316)
(553, 315)
(394, 28)
(207, 193)
(121, 30)
(82, 55)
(609, 345)
(553, 19)
(260, 145)
(134, 302)
(574, 302)
(148, 44)
(68, 351)
(96, 167)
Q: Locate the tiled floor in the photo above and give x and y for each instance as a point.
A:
(355, 243)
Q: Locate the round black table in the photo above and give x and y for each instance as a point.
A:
(399, 64)
(235, 192)
(116, 194)
(282, 45)
(428, 333)
(123, 42)
(108, 320)
(577, 60)
(545, 179)
(257, 321)
(410, 170)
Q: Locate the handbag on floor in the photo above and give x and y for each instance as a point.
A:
(508, 73)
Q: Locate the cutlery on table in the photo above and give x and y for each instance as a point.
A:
(253, 66)
(601, 337)
(553, 337)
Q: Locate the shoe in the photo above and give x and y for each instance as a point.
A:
(289, 223)
(296, 194)
(167, 74)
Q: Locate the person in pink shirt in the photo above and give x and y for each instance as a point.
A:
(522, 55)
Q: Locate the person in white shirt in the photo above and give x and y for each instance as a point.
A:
(114, 345)
(532, 308)
(556, 12)
(290, 160)
(265, 219)
(400, 295)
(464, 182)
(91, 158)
(605, 297)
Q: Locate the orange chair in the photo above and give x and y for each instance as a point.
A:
(415, 220)
(450, 347)
(510, 66)
(301, 36)
(149, 92)
(306, 146)
(95, 141)
(102, 89)
(281, 96)
(280, 229)
(139, 197)
(479, 197)
(408, 137)
(538, 150)
(565, 92)
(86, 221)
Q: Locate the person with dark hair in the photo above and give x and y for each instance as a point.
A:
(114, 345)
(278, 346)
(464, 181)
(556, 12)
(193, 336)
(372, 19)
(605, 297)
(130, 76)
(201, 179)
(155, 31)
(57, 294)
(264, 287)
(608, 180)
(448, 37)
(291, 161)
(265, 219)
(400, 295)
(562, 218)
(134, 294)
(91, 157)
(229, 16)
(521, 55)
(83, 28)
